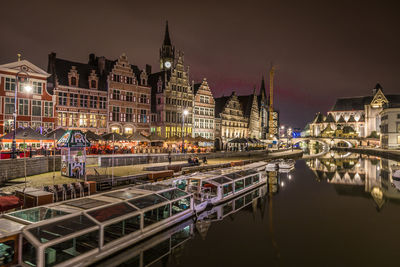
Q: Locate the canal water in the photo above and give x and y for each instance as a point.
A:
(336, 210)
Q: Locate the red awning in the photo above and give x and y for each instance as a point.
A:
(9, 202)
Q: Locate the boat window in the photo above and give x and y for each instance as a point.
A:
(122, 194)
(28, 253)
(180, 205)
(173, 194)
(7, 252)
(227, 189)
(111, 212)
(221, 180)
(153, 187)
(156, 215)
(122, 228)
(180, 236)
(71, 248)
(37, 214)
(154, 253)
(256, 179)
(248, 198)
(86, 203)
(61, 228)
(239, 185)
(233, 176)
(239, 203)
(228, 207)
(247, 181)
(147, 201)
(247, 172)
(194, 181)
(256, 194)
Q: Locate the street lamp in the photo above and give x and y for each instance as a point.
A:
(184, 113)
(28, 89)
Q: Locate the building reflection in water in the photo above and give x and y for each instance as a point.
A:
(359, 175)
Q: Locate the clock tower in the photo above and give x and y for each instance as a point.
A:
(167, 52)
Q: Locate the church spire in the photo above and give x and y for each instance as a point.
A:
(167, 40)
(263, 93)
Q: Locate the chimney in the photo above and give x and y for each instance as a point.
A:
(92, 59)
(102, 64)
(148, 69)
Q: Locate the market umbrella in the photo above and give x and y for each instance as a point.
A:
(155, 138)
(201, 139)
(91, 136)
(117, 137)
(138, 137)
(25, 133)
(190, 139)
(59, 132)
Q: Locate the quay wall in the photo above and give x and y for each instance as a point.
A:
(14, 168)
(383, 153)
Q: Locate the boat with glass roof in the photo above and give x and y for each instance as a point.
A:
(214, 187)
(71, 232)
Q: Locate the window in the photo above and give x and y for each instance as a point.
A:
(180, 205)
(156, 215)
(37, 88)
(159, 100)
(116, 94)
(23, 107)
(36, 108)
(73, 81)
(62, 119)
(84, 101)
(62, 99)
(143, 98)
(10, 84)
(93, 84)
(129, 115)
(48, 109)
(92, 101)
(247, 181)
(83, 120)
(73, 120)
(93, 121)
(103, 121)
(102, 102)
(143, 117)
(121, 229)
(227, 189)
(73, 100)
(129, 96)
(115, 114)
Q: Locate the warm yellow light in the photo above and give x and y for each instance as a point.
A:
(185, 112)
(28, 88)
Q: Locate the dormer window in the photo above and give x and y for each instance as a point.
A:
(93, 84)
(73, 81)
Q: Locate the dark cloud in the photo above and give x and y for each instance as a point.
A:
(322, 49)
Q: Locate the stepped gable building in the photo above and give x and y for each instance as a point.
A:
(230, 121)
(81, 93)
(358, 115)
(35, 108)
(102, 95)
(251, 113)
(204, 110)
(128, 98)
(171, 93)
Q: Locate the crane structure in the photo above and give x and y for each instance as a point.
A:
(271, 127)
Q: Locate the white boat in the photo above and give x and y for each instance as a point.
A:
(280, 164)
(214, 187)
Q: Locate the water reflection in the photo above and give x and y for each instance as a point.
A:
(359, 175)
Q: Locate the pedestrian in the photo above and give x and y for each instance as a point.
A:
(169, 157)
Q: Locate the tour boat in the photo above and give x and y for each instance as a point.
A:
(280, 164)
(76, 232)
(214, 187)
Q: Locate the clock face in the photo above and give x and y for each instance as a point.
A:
(167, 64)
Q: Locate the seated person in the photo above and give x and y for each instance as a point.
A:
(204, 160)
(190, 161)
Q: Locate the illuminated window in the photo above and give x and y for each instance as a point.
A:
(10, 84)
(37, 88)
(36, 108)
(23, 107)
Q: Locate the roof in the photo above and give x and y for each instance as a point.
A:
(352, 103)
(247, 102)
(220, 103)
(330, 118)
(196, 88)
(167, 40)
(318, 118)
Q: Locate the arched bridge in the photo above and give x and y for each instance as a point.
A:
(329, 142)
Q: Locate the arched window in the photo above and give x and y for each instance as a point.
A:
(93, 84)
(73, 81)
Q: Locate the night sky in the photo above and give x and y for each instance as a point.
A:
(322, 49)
